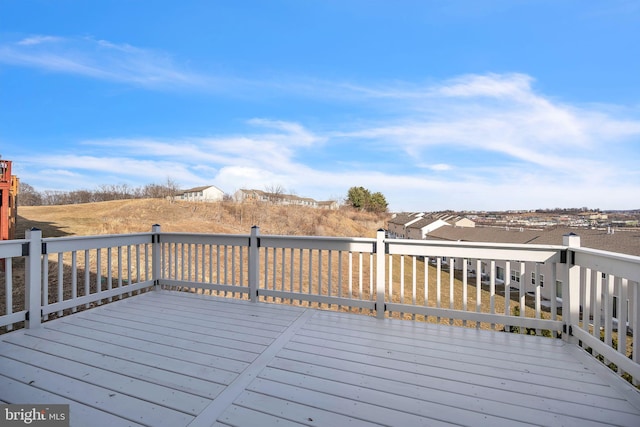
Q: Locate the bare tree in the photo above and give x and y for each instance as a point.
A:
(275, 193)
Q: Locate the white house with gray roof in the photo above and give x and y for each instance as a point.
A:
(207, 193)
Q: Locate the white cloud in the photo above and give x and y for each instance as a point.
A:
(474, 142)
(33, 40)
(100, 59)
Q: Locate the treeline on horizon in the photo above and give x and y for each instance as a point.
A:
(29, 196)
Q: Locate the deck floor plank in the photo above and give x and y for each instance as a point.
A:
(79, 414)
(176, 359)
(155, 375)
(118, 382)
(117, 403)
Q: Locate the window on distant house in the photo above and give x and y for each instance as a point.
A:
(533, 278)
(500, 273)
(515, 276)
(559, 289)
(542, 280)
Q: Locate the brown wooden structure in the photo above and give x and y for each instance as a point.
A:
(8, 201)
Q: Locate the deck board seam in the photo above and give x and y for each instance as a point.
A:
(212, 412)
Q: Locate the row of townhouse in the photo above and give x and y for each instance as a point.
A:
(514, 273)
(283, 199)
(418, 225)
(211, 193)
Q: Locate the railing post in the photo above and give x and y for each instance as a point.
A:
(33, 277)
(380, 274)
(156, 263)
(254, 266)
(571, 288)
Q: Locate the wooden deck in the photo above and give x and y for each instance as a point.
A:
(176, 359)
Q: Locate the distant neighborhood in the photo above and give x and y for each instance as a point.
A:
(614, 231)
(211, 193)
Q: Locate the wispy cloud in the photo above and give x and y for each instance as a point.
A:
(101, 59)
(476, 141)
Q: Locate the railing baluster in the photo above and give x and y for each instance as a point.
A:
(507, 292)
(45, 283)
(233, 269)
(138, 269)
(320, 251)
(109, 271)
(196, 263)
(452, 269)
(608, 311)
(438, 284)
(465, 284)
(401, 283)
(60, 280)
(275, 272)
(283, 270)
(414, 285)
(329, 265)
(585, 303)
(226, 267)
(310, 252)
(635, 324)
(426, 285)
(301, 257)
(340, 255)
(218, 281)
(87, 276)
(522, 294)
(120, 272)
(8, 288)
(74, 278)
(129, 268)
(478, 290)
(597, 305)
(390, 282)
(537, 294)
(291, 270)
(99, 273)
(622, 318)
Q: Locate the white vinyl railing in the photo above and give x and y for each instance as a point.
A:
(585, 296)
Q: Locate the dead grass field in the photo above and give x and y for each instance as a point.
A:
(133, 216)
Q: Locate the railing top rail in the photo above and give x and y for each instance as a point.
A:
(617, 264)
(607, 254)
(356, 244)
(75, 243)
(469, 244)
(11, 248)
(95, 237)
(204, 238)
(476, 250)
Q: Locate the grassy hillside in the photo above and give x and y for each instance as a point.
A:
(138, 215)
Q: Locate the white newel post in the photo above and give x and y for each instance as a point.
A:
(254, 266)
(571, 288)
(32, 280)
(156, 249)
(380, 274)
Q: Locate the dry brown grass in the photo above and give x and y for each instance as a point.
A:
(133, 216)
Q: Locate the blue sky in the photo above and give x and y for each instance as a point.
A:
(457, 104)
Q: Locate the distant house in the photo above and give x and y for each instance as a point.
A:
(419, 229)
(417, 225)
(208, 193)
(397, 225)
(282, 199)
